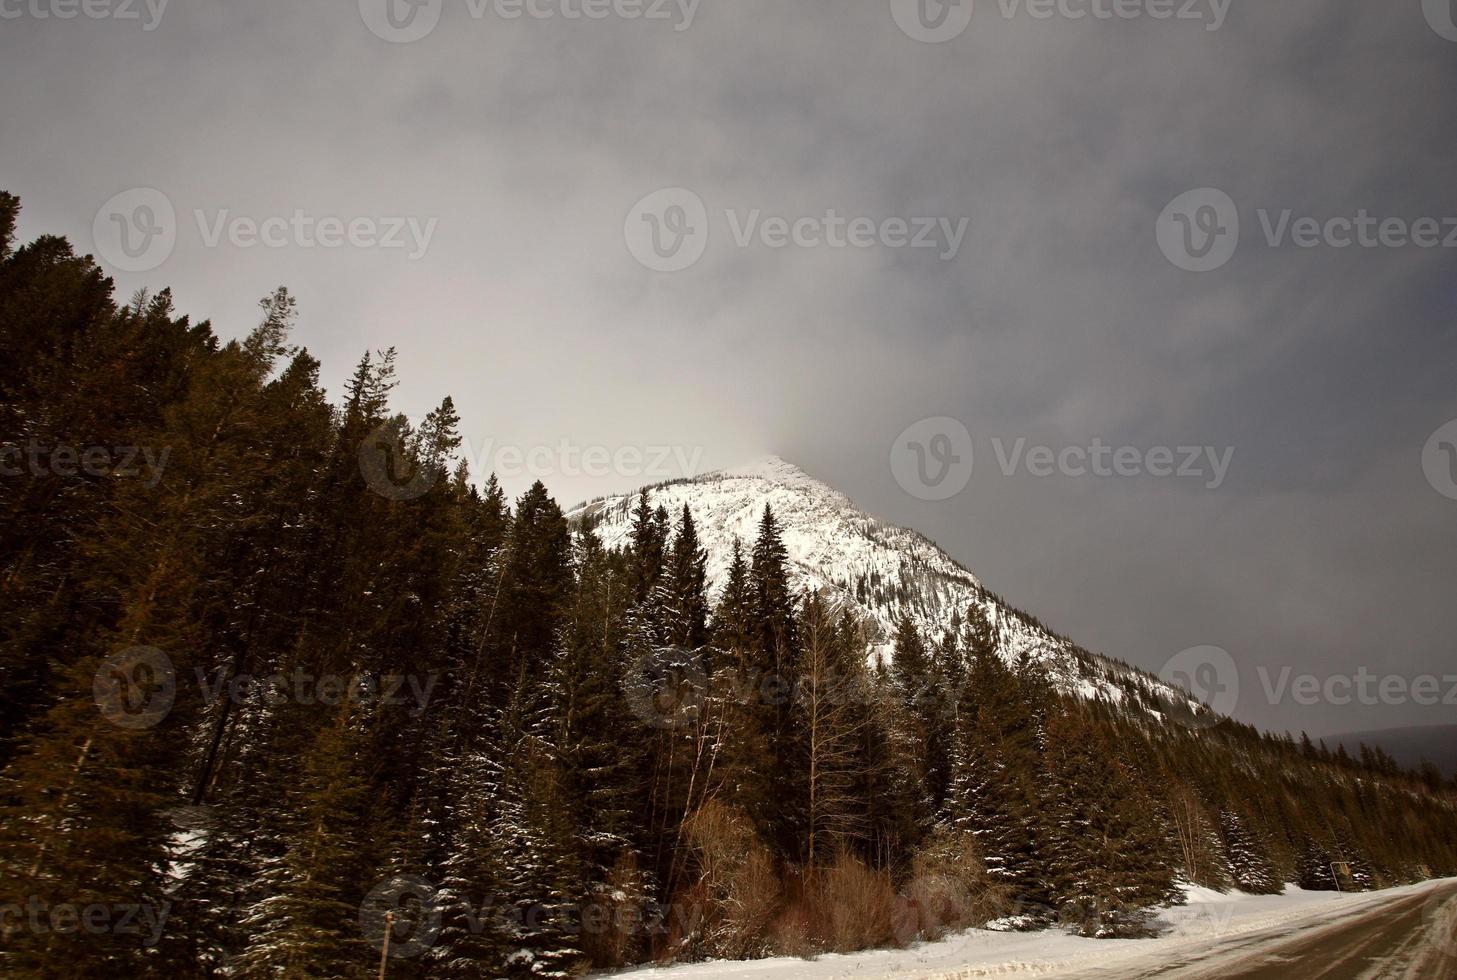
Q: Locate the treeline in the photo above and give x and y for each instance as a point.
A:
(296, 698)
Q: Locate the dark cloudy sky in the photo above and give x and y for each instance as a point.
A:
(1059, 320)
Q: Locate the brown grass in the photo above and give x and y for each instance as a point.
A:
(745, 904)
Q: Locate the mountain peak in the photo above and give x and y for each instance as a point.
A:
(772, 469)
(880, 572)
(770, 466)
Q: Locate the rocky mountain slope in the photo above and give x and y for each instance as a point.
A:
(880, 571)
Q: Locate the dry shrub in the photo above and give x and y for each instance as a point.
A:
(743, 904)
(854, 906)
(754, 897)
(721, 837)
(949, 889)
(792, 932)
(729, 910)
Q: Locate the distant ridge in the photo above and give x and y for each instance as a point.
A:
(1436, 744)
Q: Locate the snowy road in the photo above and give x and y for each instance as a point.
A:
(1411, 937)
(1408, 932)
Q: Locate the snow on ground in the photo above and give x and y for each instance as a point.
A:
(1208, 918)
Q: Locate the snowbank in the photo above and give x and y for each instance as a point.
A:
(1208, 917)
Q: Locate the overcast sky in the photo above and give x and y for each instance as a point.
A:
(1057, 317)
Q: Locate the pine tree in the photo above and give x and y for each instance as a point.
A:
(732, 618)
(304, 924)
(773, 603)
(536, 584)
(543, 886)
(1103, 849)
(688, 583)
(829, 719)
(1250, 868)
(995, 753)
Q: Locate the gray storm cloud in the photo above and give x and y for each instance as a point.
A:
(1058, 140)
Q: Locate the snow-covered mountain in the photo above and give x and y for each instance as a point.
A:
(878, 570)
